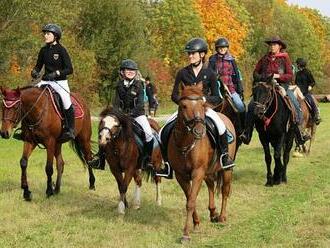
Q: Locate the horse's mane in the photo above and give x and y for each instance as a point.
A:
(191, 90)
(125, 120)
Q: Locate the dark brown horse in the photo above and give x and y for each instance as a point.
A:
(194, 159)
(41, 125)
(117, 140)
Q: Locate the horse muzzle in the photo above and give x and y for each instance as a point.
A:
(5, 134)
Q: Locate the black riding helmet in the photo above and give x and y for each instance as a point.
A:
(128, 64)
(301, 62)
(53, 28)
(196, 45)
(222, 42)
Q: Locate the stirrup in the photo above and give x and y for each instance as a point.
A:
(166, 172)
(66, 136)
(230, 163)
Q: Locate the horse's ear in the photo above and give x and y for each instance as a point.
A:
(182, 86)
(200, 85)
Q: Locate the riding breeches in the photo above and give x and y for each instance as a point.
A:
(210, 113)
(295, 103)
(62, 88)
(144, 123)
(238, 102)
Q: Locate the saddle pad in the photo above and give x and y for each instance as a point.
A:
(78, 110)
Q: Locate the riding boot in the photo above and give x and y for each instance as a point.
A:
(68, 133)
(148, 148)
(247, 133)
(301, 138)
(227, 162)
(99, 161)
(241, 123)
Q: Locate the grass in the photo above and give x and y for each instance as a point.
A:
(292, 215)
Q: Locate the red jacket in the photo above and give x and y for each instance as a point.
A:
(274, 64)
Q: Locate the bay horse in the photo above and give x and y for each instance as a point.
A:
(40, 123)
(122, 152)
(194, 159)
(272, 121)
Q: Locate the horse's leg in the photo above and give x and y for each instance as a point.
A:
(268, 160)
(28, 148)
(158, 190)
(226, 187)
(286, 154)
(278, 169)
(49, 166)
(86, 149)
(212, 208)
(59, 167)
(137, 193)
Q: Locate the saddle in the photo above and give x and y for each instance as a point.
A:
(58, 104)
(281, 92)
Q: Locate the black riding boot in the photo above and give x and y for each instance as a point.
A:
(68, 133)
(227, 162)
(99, 161)
(241, 123)
(148, 148)
(301, 138)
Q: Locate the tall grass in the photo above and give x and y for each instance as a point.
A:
(292, 215)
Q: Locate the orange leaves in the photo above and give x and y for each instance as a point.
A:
(219, 20)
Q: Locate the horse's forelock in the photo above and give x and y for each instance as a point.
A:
(191, 90)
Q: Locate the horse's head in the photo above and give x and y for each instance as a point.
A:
(192, 109)
(11, 110)
(109, 129)
(263, 94)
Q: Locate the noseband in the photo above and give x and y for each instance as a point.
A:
(113, 135)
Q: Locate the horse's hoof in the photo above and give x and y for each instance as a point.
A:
(269, 184)
(136, 207)
(215, 219)
(185, 239)
(27, 195)
(197, 229)
(121, 207)
(284, 180)
(222, 219)
(277, 182)
(56, 191)
(49, 192)
(92, 187)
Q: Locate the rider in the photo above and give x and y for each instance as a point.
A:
(275, 65)
(192, 74)
(224, 64)
(130, 99)
(305, 81)
(58, 65)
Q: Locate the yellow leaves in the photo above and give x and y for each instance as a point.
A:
(219, 20)
(14, 65)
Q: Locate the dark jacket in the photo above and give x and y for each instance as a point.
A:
(151, 91)
(236, 78)
(274, 64)
(206, 75)
(54, 57)
(130, 99)
(304, 78)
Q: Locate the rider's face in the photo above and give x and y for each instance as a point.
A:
(275, 48)
(222, 50)
(49, 37)
(129, 74)
(194, 57)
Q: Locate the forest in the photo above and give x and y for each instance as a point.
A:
(100, 33)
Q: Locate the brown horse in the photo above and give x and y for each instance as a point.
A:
(116, 138)
(194, 159)
(41, 125)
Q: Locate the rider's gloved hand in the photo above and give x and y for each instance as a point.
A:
(35, 74)
(50, 76)
(310, 88)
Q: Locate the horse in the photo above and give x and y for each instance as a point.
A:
(41, 124)
(194, 159)
(272, 121)
(117, 139)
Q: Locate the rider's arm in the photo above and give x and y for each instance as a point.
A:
(40, 61)
(288, 75)
(67, 65)
(311, 80)
(175, 92)
(139, 104)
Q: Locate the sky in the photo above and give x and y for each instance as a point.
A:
(322, 5)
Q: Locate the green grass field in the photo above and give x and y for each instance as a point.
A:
(292, 215)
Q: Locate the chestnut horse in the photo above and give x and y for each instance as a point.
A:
(41, 125)
(118, 141)
(194, 159)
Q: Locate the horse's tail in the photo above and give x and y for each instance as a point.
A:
(219, 176)
(77, 148)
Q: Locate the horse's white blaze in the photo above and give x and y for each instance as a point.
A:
(108, 122)
(121, 207)
(158, 195)
(137, 197)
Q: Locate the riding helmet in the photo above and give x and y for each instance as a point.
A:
(196, 45)
(222, 42)
(53, 28)
(301, 62)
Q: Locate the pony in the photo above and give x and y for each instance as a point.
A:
(194, 158)
(41, 124)
(272, 121)
(124, 155)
